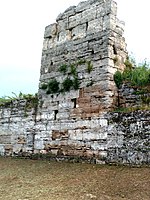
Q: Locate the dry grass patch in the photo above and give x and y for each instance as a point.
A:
(43, 180)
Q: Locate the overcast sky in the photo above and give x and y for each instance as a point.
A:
(22, 24)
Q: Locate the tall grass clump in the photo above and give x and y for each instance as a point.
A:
(137, 76)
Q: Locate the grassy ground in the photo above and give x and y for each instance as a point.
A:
(43, 180)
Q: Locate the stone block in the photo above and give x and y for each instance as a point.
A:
(98, 146)
(95, 25)
(74, 20)
(5, 139)
(82, 6)
(75, 135)
(38, 144)
(21, 140)
(59, 134)
(63, 115)
(2, 150)
(50, 31)
(90, 136)
(64, 36)
(79, 32)
(89, 15)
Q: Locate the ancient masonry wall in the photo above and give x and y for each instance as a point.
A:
(17, 121)
(81, 52)
(121, 137)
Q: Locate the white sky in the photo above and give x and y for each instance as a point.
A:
(22, 24)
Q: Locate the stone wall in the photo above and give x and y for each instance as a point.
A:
(128, 139)
(17, 121)
(133, 97)
(81, 52)
(116, 137)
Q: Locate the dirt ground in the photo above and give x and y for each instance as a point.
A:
(43, 180)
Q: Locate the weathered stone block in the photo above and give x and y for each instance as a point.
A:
(89, 15)
(50, 31)
(74, 21)
(5, 137)
(95, 24)
(59, 134)
(38, 144)
(79, 32)
(75, 135)
(2, 150)
(98, 146)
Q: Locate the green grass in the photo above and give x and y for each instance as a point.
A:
(138, 76)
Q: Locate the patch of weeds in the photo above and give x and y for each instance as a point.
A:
(145, 99)
(31, 103)
(53, 86)
(71, 82)
(76, 83)
(128, 64)
(140, 92)
(121, 109)
(89, 66)
(5, 102)
(73, 69)
(67, 84)
(26, 115)
(63, 68)
(35, 103)
(43, 86)
(118, 79)
(81, 62)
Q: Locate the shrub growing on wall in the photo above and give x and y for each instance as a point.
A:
(63, 68)
(76, 83)
(53, 86)
(89, 66)
(43, 86)
(138, 76)
(118, 78)
(73, 69)
(71, 82)
(67, 84)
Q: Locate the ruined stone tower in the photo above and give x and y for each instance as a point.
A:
(81, 52)
(71, 117)
(89, 38)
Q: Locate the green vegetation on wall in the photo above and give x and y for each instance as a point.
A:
(33, 99)
(70, 82)
(63, 68)
(76, 83)
(138, 76)
(43, 86)
(67, 84)
(118, 78)
(89, 66)
(73, 69)
(52, 86)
